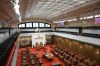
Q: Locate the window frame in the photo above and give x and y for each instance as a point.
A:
(30, 25)
(33, 25)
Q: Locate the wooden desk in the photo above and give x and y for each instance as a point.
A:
(32, 62)
(56, 64)
(24, 63)
(49, 56)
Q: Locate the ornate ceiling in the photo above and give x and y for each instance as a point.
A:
(48, 9)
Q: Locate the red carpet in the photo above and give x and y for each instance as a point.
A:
(40, 52)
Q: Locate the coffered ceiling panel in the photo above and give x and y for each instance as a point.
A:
(42, 9)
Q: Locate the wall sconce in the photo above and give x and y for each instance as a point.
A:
(70, 42)
(97, 52)
(81, 47)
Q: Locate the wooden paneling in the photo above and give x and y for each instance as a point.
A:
(84, 49)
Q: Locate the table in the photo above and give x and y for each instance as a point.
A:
(56, 64)
(49, 56)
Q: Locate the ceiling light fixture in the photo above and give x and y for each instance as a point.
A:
(89, 17)
(59, 21)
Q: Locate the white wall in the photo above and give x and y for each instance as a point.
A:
(30, 34)
(92, 31)
(65, 29)
(3, 36)
(90, 40)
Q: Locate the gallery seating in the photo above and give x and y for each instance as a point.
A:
(6, 46)
(91, 35)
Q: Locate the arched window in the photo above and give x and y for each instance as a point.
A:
(47, 25)
(41, 25)
(33, 25)
(21, 25)
(28, 24)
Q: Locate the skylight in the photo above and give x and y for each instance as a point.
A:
(59, 21)
(70, 20)
(16, 8)
(51, 8)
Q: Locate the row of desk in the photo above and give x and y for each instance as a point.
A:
(29, 59)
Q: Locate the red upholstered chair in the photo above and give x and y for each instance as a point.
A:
(66, 60)
(92, 63)
(61, 56)
(37, 45)
(40, 61)
(75, 61)
(33, 46)
(80, 64)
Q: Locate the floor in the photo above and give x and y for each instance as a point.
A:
(40, 52)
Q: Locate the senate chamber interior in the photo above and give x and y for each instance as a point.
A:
(49, 32)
